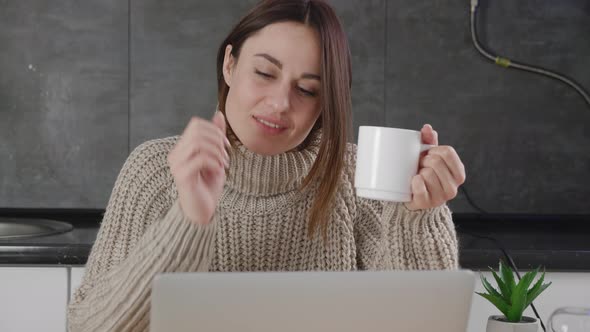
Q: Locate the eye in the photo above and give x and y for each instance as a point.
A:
(307, 92)
(265, 75)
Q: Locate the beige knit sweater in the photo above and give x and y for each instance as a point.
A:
(259, 225)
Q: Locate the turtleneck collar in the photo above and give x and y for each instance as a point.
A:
(255, 174)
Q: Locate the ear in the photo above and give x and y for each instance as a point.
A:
(228, 65)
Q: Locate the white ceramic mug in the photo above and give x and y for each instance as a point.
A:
(386, 161)
(570, 319)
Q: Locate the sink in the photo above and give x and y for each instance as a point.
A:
(16, 228)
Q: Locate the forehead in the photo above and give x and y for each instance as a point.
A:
(294, 44)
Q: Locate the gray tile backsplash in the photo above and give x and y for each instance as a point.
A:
(364, 22)
(83, 83)
(173, 54)
(63, 101)
(510, 127)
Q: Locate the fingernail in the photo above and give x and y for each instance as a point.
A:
(227, 141)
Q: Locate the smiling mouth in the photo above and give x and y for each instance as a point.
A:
(269, 124)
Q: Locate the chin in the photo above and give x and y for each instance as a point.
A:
(260, 145)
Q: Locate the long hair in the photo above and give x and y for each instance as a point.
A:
(335, 120)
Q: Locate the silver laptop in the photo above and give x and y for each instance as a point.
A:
(312, 301)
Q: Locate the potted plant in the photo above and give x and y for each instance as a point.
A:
(512, 299)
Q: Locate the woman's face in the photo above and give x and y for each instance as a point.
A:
(276, 78)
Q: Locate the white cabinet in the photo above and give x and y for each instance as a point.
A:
(33, 298)
(76, 274)
(567, 289)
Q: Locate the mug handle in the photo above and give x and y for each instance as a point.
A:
(425, 147)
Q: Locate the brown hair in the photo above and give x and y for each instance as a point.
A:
(335, 119)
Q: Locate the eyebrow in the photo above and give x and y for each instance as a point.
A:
(277, 63)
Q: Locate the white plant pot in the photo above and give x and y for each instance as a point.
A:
(499, 324)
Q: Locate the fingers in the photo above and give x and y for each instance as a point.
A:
(429, 135)
(183, 154)
(199, 133)
(433, 186)
(428, 189)
(219, 121)
(452, 161)
(208, 150)
(420, 195)
(201, 162)
(441, 172)
(197, 125)
(204, 143)
(204, 126)
(437, 163)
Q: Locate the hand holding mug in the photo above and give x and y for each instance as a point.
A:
(407, 166)
(440, 173)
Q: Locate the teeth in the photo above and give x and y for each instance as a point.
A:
(268, 123)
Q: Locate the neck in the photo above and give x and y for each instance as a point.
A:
(257, 174)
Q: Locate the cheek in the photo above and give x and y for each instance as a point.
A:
(308, 106)
(248, 92)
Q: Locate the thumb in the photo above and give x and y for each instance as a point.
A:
(429, 135)
(219, 121)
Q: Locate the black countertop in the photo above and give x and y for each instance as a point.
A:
(559, 243)
(71, 248)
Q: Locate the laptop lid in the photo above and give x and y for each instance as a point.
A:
(312, 301)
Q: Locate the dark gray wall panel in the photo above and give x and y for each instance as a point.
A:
(64, 105)
(173, 51)
(63, 101)
(364, 23)
(522, 137)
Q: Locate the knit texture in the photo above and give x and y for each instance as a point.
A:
(260, 224)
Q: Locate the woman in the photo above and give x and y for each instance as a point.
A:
(267, 184)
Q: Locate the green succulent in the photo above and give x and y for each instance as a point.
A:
(513, 298)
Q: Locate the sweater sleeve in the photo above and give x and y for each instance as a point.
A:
(390, 236)
(143, 232)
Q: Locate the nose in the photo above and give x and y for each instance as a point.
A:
(279, 98)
